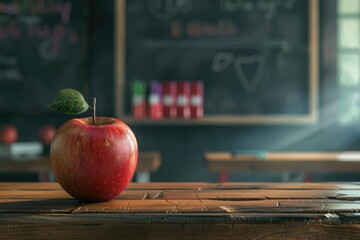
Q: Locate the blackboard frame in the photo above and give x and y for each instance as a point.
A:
(311, 117)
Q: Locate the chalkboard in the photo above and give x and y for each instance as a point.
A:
(257, 58)
(43, 48)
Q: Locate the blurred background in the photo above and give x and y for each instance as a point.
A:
(259, 75)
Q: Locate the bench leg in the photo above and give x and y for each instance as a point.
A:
(285, 176)
(46, 177)
(224, 177)
(43, 177)
(143, 177)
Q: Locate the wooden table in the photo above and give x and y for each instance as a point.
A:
(148, 162)
(185, 211)
(284, 162)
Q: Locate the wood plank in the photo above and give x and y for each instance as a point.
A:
(286, 156)
(61, 194)
(225, 195)
(33, 194)
(173, 230)
(185, 210)
(291, 185)
(147, 161)
(196, 186)
(171, 185)
(289, 162)
(181, 206)
(283, 166)
(41, 164)
(29, 186)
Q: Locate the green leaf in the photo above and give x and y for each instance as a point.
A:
(69, 101)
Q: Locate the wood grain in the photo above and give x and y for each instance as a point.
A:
(282, 162)
(184, 211)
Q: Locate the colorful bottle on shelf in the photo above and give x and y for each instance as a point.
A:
(169, 99)
(196, 99)
(183, 99)
(138, 100)
(155, 101)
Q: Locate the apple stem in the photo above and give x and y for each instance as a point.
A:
(94, 110)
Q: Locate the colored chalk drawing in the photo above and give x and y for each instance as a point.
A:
(223, 60)
(9, 69)
(26, 19)
(166, 9)
(269, 7)
(240, 63)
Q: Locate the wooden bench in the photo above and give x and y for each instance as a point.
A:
(148, 162)
(225, 162)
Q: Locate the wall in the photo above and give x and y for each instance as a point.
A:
(183, 147)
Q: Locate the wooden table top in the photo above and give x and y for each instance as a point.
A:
(184, 211)
(284, 162)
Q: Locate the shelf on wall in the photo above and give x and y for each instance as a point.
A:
(280, 79)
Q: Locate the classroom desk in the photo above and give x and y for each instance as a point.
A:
(185, 211)
(148, 162)
(285, 162)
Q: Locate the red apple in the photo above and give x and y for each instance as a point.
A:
(94, 163)
(8, 134)
(47, 134)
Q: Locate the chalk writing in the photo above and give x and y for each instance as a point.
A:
(29, 19)
(269, 7)
(250, 82)
(9, 69)
(166, 9)
(10, 30)
(240, 63)
(42, 48)
(235, 46)
(222, 60)
(194, 29)
(38, 7)
(25, 20)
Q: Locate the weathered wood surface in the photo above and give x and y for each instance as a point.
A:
(284, 162)
(184, 211)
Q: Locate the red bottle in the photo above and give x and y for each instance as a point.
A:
(155, 101)
(196, 99)
(138, 100)
(183, 99)
(169, 99)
